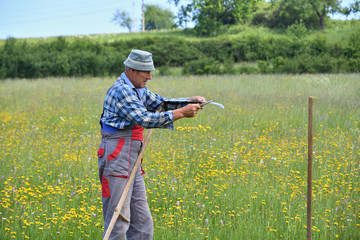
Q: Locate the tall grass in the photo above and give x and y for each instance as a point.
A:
(238, 173)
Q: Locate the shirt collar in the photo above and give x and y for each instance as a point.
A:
(140, 91)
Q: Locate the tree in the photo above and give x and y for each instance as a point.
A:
(211, 15)
(284, 13)
(353, 8)
(123, 19)
(323, 7)
(158, 18)
(291, 12)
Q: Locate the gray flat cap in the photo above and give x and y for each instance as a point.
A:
(140, 60)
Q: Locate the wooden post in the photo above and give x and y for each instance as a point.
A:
(310, 168)
(143, 16)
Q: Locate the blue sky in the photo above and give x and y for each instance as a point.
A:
(44, 18)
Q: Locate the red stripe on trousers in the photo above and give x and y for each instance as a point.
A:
(117, 150)
(105, 189)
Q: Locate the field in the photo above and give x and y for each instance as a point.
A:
(238, 173)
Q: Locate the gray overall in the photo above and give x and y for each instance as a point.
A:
(117, 154)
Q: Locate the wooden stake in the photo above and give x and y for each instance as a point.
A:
(310, 168)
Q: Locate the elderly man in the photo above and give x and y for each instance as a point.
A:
(129, 107)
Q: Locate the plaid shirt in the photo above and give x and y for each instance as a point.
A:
(125, 106)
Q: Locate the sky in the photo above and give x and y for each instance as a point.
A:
(46, 18)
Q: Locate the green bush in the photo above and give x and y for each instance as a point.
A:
(292, 52)
(297, 30)
(278, 64)
(352, 49)
(263, 66)
(202, 66)
(229, 67)
(323, 64)
(319, 45)
(219, 49)
(354, 64)
(248, 69)
(311, 64)
(164, 70)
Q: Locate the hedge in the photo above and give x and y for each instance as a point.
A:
(274, 54)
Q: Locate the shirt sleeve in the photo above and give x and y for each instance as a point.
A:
(153, 101)
(132, 109)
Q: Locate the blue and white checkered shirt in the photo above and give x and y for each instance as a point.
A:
(125, 106)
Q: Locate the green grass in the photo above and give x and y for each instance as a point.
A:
(238, 173)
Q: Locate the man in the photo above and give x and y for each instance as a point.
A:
(129, 107)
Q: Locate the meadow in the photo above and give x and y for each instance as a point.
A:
(237, 173)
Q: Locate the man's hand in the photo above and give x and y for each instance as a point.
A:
(188, 111)
(197, 99)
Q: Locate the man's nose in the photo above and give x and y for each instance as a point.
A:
(148, 76)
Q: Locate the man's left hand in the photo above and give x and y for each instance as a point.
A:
(197, 99)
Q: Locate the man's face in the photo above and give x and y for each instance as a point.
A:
(139, 78)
